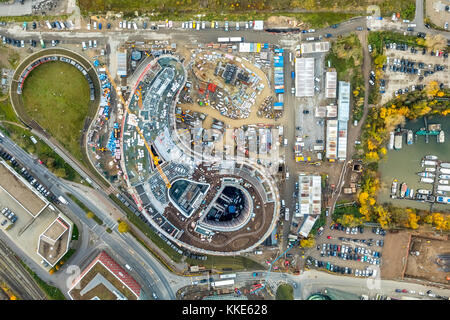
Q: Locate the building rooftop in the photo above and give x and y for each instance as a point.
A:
(54, 241)
(104, 279)
(13, 184)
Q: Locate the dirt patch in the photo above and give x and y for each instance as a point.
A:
(426, 265)
(435, 10)
(400, 80)
(395, 253)
(282, 21)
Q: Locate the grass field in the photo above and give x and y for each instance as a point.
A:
(56, 95)
(219, 263)
(177, 7)
(285, 292)
(48, 156)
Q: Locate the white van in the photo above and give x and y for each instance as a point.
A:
(90, 43)
(135, 26)
(283, 203)
(84, 45)
(287, 175)
(95, 25)
(128, 267)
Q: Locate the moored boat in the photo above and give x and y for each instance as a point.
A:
(426, 180)
(442, 181)
(443, 187)
(443, 170)
(444, 176)
(391, 140)
(403, 189)
(407, 193)
(442, 193)
(409, 137)
(430, 157)
(424, 191)
(394, 188)
(430, 169)
(411, 193)
(426, 174)
(445, 165)
(429, 163)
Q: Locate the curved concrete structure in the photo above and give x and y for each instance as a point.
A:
(159, 85)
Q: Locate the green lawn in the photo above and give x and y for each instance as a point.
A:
(56, 95)
(285, 292)
(233, 7)
(219, 263)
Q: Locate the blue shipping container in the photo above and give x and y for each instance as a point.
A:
(293, 74)
(279, 90)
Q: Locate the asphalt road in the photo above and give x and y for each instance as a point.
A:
(124, 247)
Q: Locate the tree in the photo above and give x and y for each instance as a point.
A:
(123, 227)
(90, 215)
(307, 243)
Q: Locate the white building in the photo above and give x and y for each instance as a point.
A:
(331, 145)
(304, 77)
(330, 84)
(310, 195)
(312, 47)
(122, 64)
(307, 225)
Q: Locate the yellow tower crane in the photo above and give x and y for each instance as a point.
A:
(154, 158)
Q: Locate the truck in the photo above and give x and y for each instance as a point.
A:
(228, 276)
(293, 74)
(223, 39)
(63, 200)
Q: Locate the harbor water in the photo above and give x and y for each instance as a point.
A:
(404, 164)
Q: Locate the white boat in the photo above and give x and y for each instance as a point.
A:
(440, 137)
(429, 163)
(409, 137)
(445, 200)
(403, 189)
(442, 193)
(426, 174)
(446, 171)
(430, 157)
(445, 165)
(426, 180)
(424, 191)
(391, 140)
(411, 193)
(394, 188)
(430, 169)
(443, 181)
(444, 176)
(443, 188)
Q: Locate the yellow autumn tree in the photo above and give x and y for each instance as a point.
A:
(123, 227)
(432, 88)
(413, 220)
(307, 243)
(383, 216)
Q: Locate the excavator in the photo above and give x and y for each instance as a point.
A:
(154, 158)
(103, 149)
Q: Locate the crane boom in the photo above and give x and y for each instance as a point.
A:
(154, 158)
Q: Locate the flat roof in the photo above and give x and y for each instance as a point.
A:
(344, 101)
(307, 225)
(304, 77)
(104, 279)
(54, 241)
(15, 186)
(311, 47)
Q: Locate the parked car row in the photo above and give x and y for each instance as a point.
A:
(348, 230)
(407, 89)
(368, 242)
(8, 214)
(60, 25)
(367, 272)
(345, 252)
(379, 231)
(13, 42)
(29, 177)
